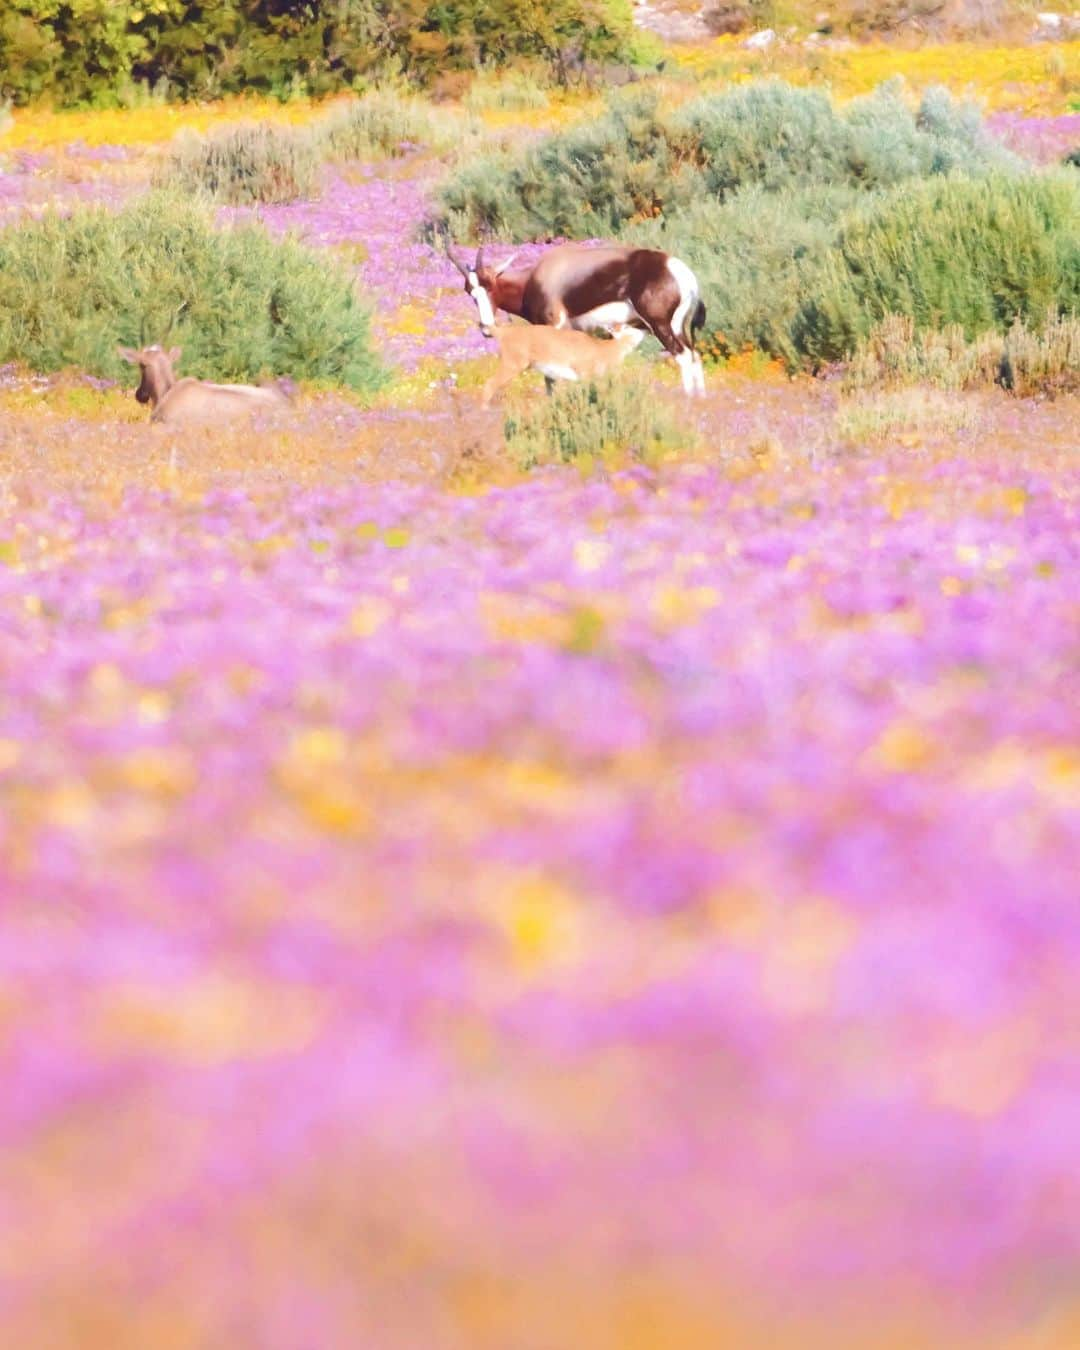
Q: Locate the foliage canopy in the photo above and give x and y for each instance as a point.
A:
(86, 51)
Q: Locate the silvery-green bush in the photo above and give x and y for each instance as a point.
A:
(639, 162)
(240, 302)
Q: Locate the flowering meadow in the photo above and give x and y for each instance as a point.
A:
(616, 906)
(1033, 79)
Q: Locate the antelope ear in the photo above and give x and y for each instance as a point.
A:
(126, 354)
(504, 265)
(174, 354)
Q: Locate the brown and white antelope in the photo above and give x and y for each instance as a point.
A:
(609, 287)
(557, 353)
(188, 400)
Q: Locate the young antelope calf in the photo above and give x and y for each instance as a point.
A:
(194, 401)
(557, 353)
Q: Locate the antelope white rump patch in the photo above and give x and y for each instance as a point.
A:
(688, 295)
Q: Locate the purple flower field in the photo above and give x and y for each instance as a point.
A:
(610, 909)
(1042, 139)
(436, 898)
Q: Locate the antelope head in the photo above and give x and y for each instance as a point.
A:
(156, 369)
(482, 285)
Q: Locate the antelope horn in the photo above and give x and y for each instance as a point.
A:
(453, 257)
(479, 258)
(173, 318)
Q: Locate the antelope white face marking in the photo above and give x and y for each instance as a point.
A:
(484, 307)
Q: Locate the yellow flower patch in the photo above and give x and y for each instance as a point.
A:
(42, 128)
(1037, 78)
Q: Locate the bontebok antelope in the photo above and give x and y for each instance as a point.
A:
(557, 353)
(607, 287)
(190, 400)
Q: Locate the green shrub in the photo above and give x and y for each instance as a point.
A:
(591, 421)
(80, 51)
(240, 302)
(589, 180)
(769, 135)
(250, 163)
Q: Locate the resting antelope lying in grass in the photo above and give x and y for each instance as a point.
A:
(189, 400)
(557, 353)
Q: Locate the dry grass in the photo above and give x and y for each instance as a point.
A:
(1025, 360)
(61, 431)
(904, 414)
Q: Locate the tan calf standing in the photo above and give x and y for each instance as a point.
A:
(187, 400)
(557, 353)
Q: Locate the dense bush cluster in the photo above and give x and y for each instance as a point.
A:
(80, 51)
(975, 252)
(639, 161)
(805, 273)
(806, 223)
(240, 302)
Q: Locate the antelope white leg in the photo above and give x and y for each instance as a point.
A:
(699, 374)
(685, 361)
